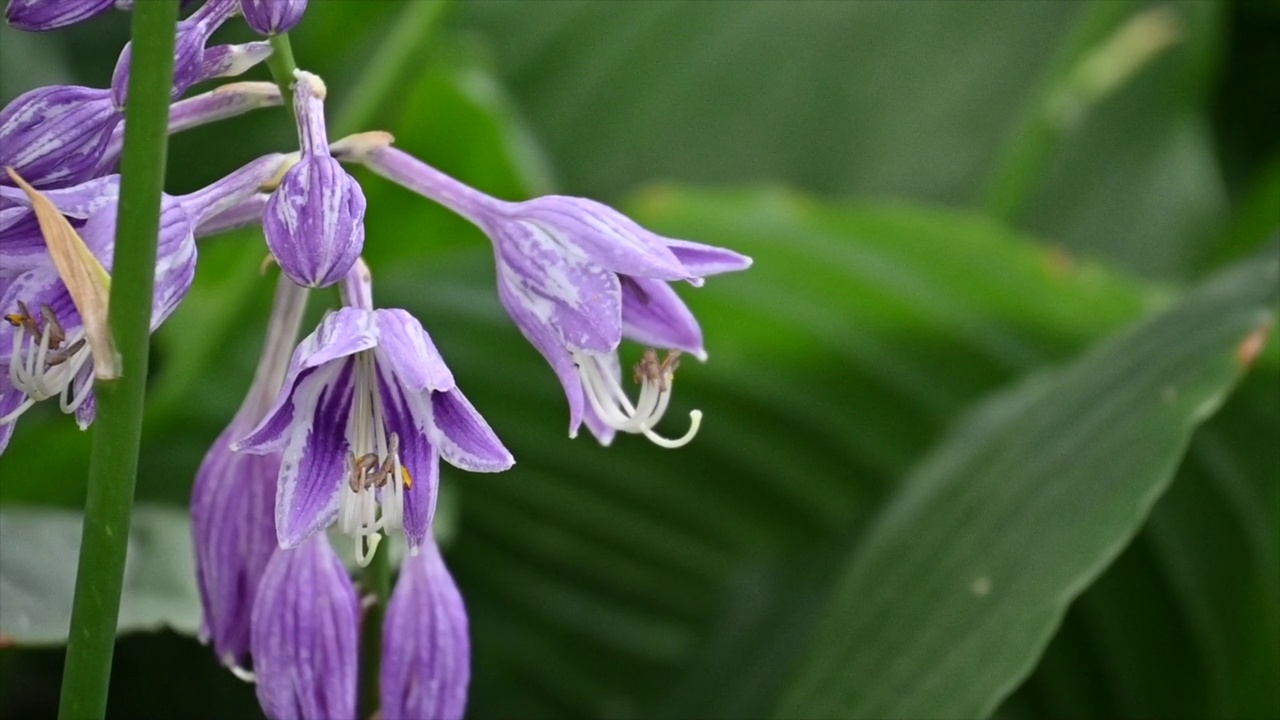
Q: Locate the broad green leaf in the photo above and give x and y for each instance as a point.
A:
(920, 101)
(39, 549)
(964, 576)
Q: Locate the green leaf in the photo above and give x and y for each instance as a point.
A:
(919, 101)
(965, 575)
(38, 550)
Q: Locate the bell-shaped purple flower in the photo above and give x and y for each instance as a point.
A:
(233, 499)
(56, 136)
(188, 53)
(426, 651)
(314, 222)
(367, 410)
(43, 347)
(577, 277)
(39, 15)
(272, 17)
(305, 635)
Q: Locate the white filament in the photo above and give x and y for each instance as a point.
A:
(367, 511)
(604, 391)
(30, 371)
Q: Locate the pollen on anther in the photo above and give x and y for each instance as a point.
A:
(406, 477)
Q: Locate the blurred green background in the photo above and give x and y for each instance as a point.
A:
(958, 457)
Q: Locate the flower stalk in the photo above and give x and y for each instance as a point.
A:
(114, 458)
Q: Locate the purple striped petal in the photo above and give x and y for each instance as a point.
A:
(406, 418)
(548, 343)
(703, 260)
(465, 439)
(272, 17)
(305, 635)
(38, 15)
(314, 222)
(406, 347)
(56, 136)
(426, 651)
(314, 463)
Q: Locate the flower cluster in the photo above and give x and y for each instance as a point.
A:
(342, 432)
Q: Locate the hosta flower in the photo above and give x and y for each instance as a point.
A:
(271, 17)
(233, 499)
(305, 635)
(188, 53)
(52, 14)
(43, 346)
(426, 652)
(57, 136)
(367, 410)
(314, 222)
(577, 277)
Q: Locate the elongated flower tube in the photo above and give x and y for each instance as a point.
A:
(577, 277)
(426, 651)
(272, 17)
(43, 338)
(39, 15)
(233, 499)
(367, 410)
(56, 136)
(305, 635)
(314, 222)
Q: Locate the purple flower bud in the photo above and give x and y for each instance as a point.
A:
(56, 136)
(188, 54)
(426, 653)
(233, 527)
(305, 635)
(314, 222)
(233, 500)
(272, 17)
(51, 14)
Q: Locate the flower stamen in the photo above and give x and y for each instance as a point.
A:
(40, 366)
(603, 390)
(374, 505)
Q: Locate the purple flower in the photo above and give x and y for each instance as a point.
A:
(52, 14)
(56, 136)
(233, 500)
(314, 222)
(426, 653)
(305, 635)
(272, 17)
(577, 277)
(367, 410)
(189, 50)
(42, 341)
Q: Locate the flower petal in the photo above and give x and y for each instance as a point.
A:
(465, 439)
(305, 635)
(548, 343)
(407, 348)
(315, 458)
(653, 314)
(703, 260)
(426, 651)
(405, 416)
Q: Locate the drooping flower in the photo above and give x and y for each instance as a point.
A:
(272, 17)
(43, 346)
(233, 499)
(305, 635)
(314, 222)
(426, 651)
(38, 15)
(577, 277)
(365, 415)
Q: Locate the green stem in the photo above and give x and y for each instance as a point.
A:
(375, 580)
(282, 66)
(113, 462)
(386, 69)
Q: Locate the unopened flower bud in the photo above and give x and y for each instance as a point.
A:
(51, 14)
(272, 17)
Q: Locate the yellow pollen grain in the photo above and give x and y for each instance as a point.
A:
(404, 475)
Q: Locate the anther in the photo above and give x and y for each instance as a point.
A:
(56, 334)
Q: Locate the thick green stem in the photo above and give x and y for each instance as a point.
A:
(375, 580)
(113, 462)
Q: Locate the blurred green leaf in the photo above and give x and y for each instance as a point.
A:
(38, 553)
(965, 575)
(919, 101)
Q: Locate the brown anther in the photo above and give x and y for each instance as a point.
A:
(56, 334)
(367, 462)
(65, 354)
(386, 471)
(23, 319)
(648, 369)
